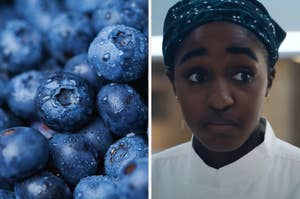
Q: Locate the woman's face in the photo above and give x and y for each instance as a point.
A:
(221, 80)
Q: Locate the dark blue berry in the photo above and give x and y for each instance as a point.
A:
(23, 151)
(95, 187)
(122, 109)
(73, 156)
(40, 13)
(22, 91)
(98, 136)
(84, 6)
(119, 53)
(70, 34)
(122, 152)
(20, 47)
(114, 12)
(64, 102)
(43, 186)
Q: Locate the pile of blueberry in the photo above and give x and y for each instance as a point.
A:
(73, 99)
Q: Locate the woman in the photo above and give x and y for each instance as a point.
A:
(220, 57)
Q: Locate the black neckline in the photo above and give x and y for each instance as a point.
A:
(221, 159)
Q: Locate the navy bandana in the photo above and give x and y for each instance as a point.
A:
(187, 15)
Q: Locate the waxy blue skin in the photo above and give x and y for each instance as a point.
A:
(43, 186)
(73, 156)
(5, 194)
(122, 109)
(8, 120)
(134, 180)
(64, 102)
(20, 47)
(114, 12)
(80, 66)
(95, 187)
(99, 136)
(69, 34)
(22, 91)
(23, 151)
(40, 13)
(122, 152)
(119, 53)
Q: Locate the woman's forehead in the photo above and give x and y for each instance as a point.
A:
(217, 30)
(221, 40)
(219, 35)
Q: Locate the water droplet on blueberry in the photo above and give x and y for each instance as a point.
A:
(106, 57)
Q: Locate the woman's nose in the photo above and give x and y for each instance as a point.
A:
(220, 98)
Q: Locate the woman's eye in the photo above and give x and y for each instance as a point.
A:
(243, 77)
(196, 77)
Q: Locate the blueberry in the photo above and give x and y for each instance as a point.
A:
(3, 88)
(20, 47)
(84, 6)
(8, 120)
(23, 89)
(95, 187)
(69, 34)
(43, 186)
(23, 151)
(73, 156)
(80, 66)
(134, 180)
(143, 4)
(99, 136)
(122, 109)
(64, 102)
(43, 129)
(114, 12)
(5, 194)
(122, 152)
(119, 53)
(38, 12)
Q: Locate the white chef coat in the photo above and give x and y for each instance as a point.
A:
(269, 171)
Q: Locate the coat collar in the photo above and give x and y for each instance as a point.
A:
(245, 170)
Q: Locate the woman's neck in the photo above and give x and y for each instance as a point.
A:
(220, 159)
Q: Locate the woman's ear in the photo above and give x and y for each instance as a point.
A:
(271, 77)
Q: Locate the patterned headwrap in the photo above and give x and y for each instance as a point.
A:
(187, 15)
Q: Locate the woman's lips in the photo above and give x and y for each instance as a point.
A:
(220, 128)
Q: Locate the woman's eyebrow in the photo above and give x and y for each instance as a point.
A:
(193, 53)
(242, 50)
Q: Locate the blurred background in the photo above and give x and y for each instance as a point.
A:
(283, 107)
